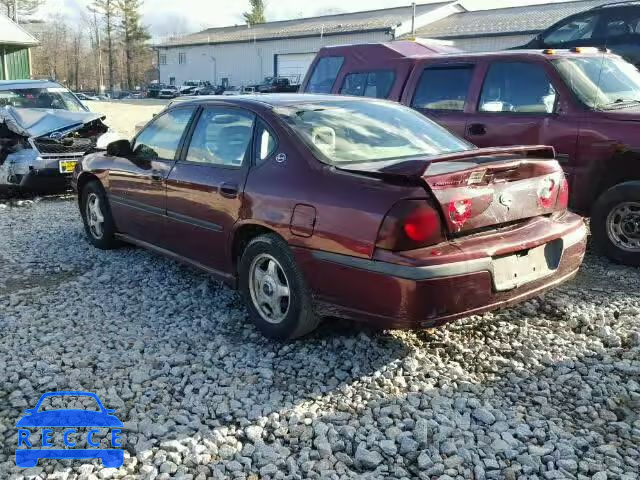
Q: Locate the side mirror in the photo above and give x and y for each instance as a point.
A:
(119, 148)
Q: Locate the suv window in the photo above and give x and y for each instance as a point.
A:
(517, 87)
(578, 28)
(221, 137)
(161, 138)
(325, 74)
(622, 23)
(376, 84)
(443, 88)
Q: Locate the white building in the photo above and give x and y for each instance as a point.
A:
(244, 55)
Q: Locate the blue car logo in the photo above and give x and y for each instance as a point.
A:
(69, 418)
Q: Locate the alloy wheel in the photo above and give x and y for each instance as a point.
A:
(95, 217)
(623, 226)
(269, 288)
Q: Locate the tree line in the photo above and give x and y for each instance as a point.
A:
(106, 47)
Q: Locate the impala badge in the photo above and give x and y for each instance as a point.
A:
(281, 157)
(506, 199)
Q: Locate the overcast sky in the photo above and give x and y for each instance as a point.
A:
(170, 17)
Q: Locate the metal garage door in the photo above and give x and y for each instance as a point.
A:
(293, 64)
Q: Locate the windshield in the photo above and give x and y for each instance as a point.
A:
(601, 82)
(57, 98)
(356, 131)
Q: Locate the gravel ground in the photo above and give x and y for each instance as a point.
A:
(124, 115)
(546, 390)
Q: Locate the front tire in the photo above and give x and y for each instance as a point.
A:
(615, 223)
(96, 216)
(274, 289)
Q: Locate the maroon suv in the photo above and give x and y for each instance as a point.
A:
(320, 205)
(585, 103)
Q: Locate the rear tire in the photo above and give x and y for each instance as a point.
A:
(96, 216)
(615, 223)
(274, 289)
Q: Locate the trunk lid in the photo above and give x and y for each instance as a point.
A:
(482, 188)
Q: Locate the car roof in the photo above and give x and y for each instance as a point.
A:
(19, 84)
(535, 53)
(277, 99)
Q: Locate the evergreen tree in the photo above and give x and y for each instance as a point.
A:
(256, 15)
(134, 35)
(107, 9)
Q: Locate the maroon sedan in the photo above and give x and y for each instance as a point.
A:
(318, 205)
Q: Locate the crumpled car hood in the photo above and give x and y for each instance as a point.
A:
(36, 122)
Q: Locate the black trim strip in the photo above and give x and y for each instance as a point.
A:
(127, 202)
(194, 221)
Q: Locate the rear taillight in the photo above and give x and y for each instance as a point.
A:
(460, 211)
(410, 224)
(562, 203)
(546, 192)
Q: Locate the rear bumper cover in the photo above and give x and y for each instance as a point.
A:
(393, 295)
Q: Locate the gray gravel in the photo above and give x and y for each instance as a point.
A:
(550, 389)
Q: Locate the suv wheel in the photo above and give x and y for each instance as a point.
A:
(96, 216)
(276, 294)
(615, 223)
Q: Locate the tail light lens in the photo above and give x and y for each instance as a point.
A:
(410, 224)
(546, 192)
(460, 211)
(562, 203)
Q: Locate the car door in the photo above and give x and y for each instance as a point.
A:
(518, 104)
(582, 30)
(441, 92)
(205, 187)
(621, 29)
(137, 183)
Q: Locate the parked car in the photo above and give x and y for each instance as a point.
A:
(231, 91)
(85, 97)
(193, 87)
(318, 205)
(44, 131)
(277, 85)
(583, 102)
(615, 26)
(154, 89)
(169, 91)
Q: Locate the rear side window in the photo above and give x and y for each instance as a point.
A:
(376, 84)
(266, 144)
(517, 87)
(324, 74)
(443, 88)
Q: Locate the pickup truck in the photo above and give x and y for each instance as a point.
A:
(585, 102)
(277, 85)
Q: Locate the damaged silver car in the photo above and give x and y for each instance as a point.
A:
(44, 131)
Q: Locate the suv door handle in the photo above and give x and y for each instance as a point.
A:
(157, 175)
(477, 129)
(229, 190)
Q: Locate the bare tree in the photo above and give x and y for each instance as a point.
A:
(107, 10)
(25, 8)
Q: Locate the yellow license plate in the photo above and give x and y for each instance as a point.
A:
(68, 166)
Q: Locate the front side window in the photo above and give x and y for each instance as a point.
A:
(622, 24)
(517, 87)
(221, 137)
(325, 74)
(161, 138)
(601, 82)
(578, 28)
(356, 131)
(443, 88)
(375, 84)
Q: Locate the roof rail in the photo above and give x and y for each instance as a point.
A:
(615, 4)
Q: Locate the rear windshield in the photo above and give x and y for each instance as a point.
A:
(342, 132)
(601, 82)
(57, 98)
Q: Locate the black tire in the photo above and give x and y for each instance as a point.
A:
(608, 203)
(300, 318)
(107, 240)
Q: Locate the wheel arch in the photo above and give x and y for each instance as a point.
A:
(241, 237)
(623, 167)
(83, 179)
